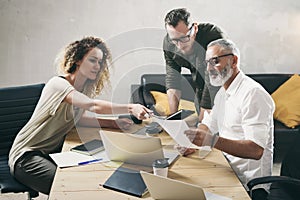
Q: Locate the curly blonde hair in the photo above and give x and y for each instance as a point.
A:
(76, 51)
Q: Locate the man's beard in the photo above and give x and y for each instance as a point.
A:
(219, 78)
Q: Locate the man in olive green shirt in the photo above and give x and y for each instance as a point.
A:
(185, 46)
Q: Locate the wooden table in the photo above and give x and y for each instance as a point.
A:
(213, 174)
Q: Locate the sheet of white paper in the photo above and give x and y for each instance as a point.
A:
(70, 158)
(176, 128)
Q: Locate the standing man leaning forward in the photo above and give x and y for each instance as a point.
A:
(185, 46)
(242, 115)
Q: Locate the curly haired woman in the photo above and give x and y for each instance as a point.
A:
(62, 105)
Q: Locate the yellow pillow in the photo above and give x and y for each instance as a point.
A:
(287, 102)
(162, 104)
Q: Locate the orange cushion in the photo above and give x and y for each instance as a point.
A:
(162, 103)
(287, 102)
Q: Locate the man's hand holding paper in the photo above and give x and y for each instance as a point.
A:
(201, 137)
(176, 129)
(188, 139)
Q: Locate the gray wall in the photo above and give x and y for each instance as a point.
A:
(33, 31)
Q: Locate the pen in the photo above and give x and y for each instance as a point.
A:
(89, 161)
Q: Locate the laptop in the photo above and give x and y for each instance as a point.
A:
(166, 189)
(135, 149)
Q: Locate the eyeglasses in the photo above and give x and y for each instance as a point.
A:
(183, 39)
(215, 60)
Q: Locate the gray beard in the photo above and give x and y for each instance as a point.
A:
(221, 77)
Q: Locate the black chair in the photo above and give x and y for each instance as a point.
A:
(16, 107)
(287, 185)
(156, 82)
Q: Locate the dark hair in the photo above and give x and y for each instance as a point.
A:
(176, 15)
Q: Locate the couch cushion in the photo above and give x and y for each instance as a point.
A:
(156, 82)
(279, 127)
(270, 81)
(287, 101)
(162, 104)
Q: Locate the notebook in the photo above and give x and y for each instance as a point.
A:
(135, 149)
(89, 148)
(165, 188)
(128, 181)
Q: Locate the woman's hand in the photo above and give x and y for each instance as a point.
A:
(139, 111)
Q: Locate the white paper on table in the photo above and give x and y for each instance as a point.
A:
(70, 158)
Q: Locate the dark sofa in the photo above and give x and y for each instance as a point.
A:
(283, 136)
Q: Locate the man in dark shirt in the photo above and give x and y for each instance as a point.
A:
(185, 46)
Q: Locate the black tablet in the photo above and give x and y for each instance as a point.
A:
(89, 148)
(180, 114)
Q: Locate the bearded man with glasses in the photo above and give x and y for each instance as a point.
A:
(184, 46)
(241, 122)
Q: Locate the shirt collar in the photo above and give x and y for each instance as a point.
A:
(233, 87)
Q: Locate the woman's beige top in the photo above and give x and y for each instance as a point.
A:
(52, 119)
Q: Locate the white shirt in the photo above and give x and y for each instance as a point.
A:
(245, 112)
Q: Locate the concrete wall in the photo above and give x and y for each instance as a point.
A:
(33, 31)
